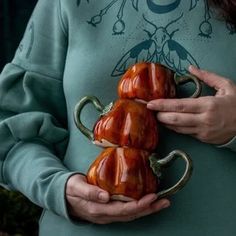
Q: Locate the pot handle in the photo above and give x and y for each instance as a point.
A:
(183, 79)
(78, 109)
(158, 164)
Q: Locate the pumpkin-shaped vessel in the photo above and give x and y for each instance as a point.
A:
(148, 81)
(125, 123)
(124, 172)
(129, 174)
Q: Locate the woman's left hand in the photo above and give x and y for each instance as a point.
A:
(211, 119)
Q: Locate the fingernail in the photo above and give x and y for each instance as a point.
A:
(191, 68)
(150, 105)
(154, 198)
(165, 205)
(103, 196)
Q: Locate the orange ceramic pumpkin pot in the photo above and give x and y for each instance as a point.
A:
(148, 81)
(124, 172)
(128, 173)
(124, 123)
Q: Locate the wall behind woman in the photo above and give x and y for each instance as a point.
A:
(14, 15)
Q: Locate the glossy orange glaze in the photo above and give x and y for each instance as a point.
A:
(128, 123)
(123, 171)
(147, 81)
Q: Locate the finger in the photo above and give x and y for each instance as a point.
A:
(183, 130)
(129, 208)
(153, 208)
(87, 191)
(117, 211)
(143, 206)
(184, 105)
(122, 209)
(178, 119)
(125, 217)
(211, 79)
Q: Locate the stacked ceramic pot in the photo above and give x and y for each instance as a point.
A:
(128, 166)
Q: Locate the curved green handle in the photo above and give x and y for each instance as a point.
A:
(183, 79)
(158, 164)
(77, 114)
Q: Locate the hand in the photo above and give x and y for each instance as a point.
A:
(211, 119)
(91, 203)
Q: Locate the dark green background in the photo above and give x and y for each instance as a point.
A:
(18, 216)
(14, 15)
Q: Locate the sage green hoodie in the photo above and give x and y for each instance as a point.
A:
(75, 48)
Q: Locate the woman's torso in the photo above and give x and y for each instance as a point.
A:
(105, 38)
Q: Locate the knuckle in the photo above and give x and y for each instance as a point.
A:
(205, 74)
(180, 107)
(124, 212)
(89, 195)
(161, 106)
(204, 136)
(127, 209)
(92, 194)
(92, 211)
(173, 119)
(211, 105)
(209, 120)
(228, 83)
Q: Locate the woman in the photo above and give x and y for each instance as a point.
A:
(75, 48)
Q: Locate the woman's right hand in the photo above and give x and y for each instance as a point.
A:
(91, 203)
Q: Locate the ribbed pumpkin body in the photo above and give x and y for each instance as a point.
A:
(124, 172)
(147, 81)
(128, 123)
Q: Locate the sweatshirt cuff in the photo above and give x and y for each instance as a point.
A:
(32, 169)
(231, 144)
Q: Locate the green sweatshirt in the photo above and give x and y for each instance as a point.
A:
(75, 48)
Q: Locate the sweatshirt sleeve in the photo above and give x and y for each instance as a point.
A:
(231, 144)
(33, 132)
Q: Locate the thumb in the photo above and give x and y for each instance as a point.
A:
(213, 80)
(80, 188)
